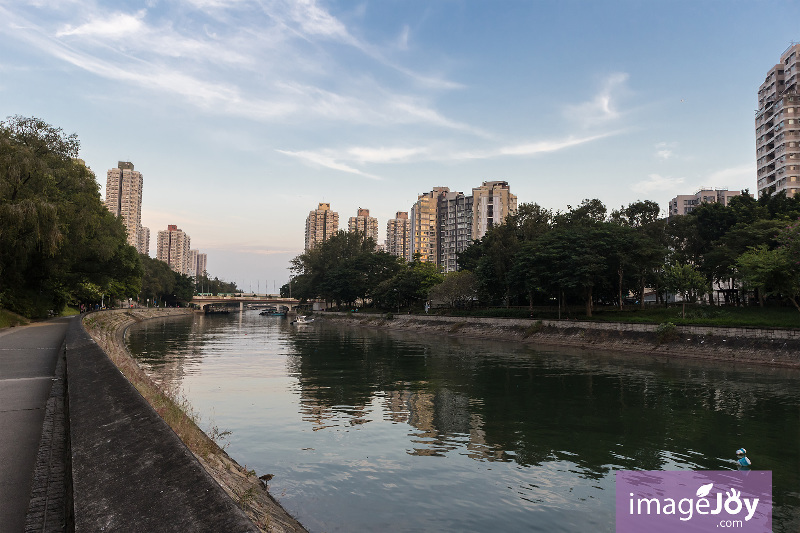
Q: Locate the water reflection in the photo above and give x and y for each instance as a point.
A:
(455, 434)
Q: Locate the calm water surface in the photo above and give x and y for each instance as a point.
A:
(370, 430)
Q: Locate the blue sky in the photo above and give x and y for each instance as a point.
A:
(242, 115)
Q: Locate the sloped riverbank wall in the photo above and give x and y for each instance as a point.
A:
(769, 346)
(131, 471)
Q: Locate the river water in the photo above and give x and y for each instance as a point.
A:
(372, 430)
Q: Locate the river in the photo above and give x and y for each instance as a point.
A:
(372, 430)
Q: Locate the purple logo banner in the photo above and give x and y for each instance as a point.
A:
(673, 502)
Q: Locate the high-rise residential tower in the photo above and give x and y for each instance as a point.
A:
(365, 224)
(173, 249)
(144, 240)
(398, 235)
(321, 225)
(124, 199)
(778, 127)
(191, 264)
(196, 264)
(424, 225)
(202, 263)
(492, 202)
(455, 228)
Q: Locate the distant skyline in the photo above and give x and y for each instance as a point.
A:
(243, 115)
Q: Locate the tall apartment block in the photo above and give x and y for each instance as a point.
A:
(173, 248)
(321, 225)
(144, 240)
(202, 264)
(124, 199)
(196, 264)
(398, 235)
(778, 127)
(365, 224)
(492, 202)
(424, 225)
(683, 204)
(455, 228)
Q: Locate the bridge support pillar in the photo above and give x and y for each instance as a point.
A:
(241, 307)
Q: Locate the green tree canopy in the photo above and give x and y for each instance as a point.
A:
(58, 242)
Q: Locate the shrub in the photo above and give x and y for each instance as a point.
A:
(534, 328)
(666, 332)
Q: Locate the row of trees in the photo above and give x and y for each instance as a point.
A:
(584, 254)
(587, 254)
(346, 268)
(59, 244)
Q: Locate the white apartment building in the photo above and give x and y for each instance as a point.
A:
(321, 225)
(455, 228)
(124, 199)
(424, 225)
(173, 248)
(365, 224)
(398, 235)
(777, 126)
(492, 202)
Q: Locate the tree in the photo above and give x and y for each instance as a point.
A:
(58, 242)
(686, 280)
(343, 269)
(457, 288)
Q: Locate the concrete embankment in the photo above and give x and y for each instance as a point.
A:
(131, 471)
(769, 346)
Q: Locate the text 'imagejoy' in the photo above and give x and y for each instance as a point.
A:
(657, 501)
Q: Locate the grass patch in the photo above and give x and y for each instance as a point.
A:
(9, 319)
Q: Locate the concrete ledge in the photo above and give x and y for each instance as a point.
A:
(130, 471)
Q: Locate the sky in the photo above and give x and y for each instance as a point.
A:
(243, 115)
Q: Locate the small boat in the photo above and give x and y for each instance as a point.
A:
(272, 311)
(302, 319)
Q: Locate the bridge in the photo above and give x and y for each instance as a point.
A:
(268, 299)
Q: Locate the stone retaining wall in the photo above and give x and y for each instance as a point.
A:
(779, 347)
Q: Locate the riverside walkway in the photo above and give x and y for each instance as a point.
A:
(31, 413)
(81, 450)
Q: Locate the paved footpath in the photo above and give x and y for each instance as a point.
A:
(32, 454)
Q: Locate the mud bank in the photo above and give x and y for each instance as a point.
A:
(775, 347)
(243, 486)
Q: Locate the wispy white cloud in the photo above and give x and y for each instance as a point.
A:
(603, 108)
(347, 160)
(402, 39)
(656, 183)
(665, 150)
(257, 70)
(385, 155)
(328, 161)
(115, 26)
